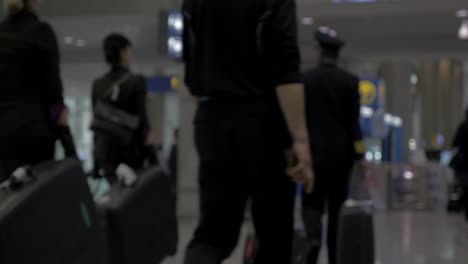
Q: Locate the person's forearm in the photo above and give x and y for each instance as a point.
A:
(291, 99)
(66, 139)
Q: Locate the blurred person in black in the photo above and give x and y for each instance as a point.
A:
(242, 63)
(333, 110)
(128, 93)
(460, 163)
(32, 110)
(173, 158)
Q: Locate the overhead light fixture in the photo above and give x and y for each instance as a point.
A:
(462, 13)
(414, 79)
(324, 29)
(81, 43)
(176, 22)
(307, 21)
(463, 31)
(175, 45)
(68, 40)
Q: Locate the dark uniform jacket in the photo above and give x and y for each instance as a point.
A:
(240, 48)
(132, 99)
(31, 92)
(333, 110)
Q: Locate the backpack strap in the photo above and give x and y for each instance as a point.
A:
(113, 92)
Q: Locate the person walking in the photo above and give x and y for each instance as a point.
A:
(33, 115)
(243, 66)
(124, 91)
(333, 110)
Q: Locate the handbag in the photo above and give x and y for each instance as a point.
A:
(111, 122)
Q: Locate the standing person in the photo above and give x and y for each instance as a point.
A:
(32, 111)
(125, 91)
(333, 109)
(460, 163)
(242, 63)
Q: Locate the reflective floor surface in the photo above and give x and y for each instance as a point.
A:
(402, 238)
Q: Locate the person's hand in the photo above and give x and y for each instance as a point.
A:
(301, 172)
(63, 119)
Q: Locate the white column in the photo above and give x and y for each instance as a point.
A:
(188, 160)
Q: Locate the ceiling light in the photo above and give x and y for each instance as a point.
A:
(324, 29)
(175, 45)
(176, 21)
(81, 43)
(414, 79)
(68, 40)
(463, 32)
(462, 13)
(307, 21)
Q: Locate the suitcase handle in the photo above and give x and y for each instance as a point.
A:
(19, 178)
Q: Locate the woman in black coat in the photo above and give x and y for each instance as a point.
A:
(32, 111)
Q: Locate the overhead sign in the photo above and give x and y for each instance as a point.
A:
(372, 93)
(164, 84)
(368, 92)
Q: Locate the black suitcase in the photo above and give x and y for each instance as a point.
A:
(356, 237)
(51, 219)
(141, 221)
(356, 241)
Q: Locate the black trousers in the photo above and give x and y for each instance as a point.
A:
(243, 158)
(109, 155)
(330, 193)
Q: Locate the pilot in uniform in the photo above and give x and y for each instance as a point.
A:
(333, 109)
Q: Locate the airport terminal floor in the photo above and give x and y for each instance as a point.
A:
(402, 238)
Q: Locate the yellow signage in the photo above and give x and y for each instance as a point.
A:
(174, 83)
(368, 93)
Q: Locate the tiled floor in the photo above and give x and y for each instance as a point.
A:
(402, 238)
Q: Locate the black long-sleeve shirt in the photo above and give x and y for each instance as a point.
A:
(231, 52)
(31, 91)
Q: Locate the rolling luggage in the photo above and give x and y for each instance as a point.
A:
(49, 217)
(141, 221)
(356, 238)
